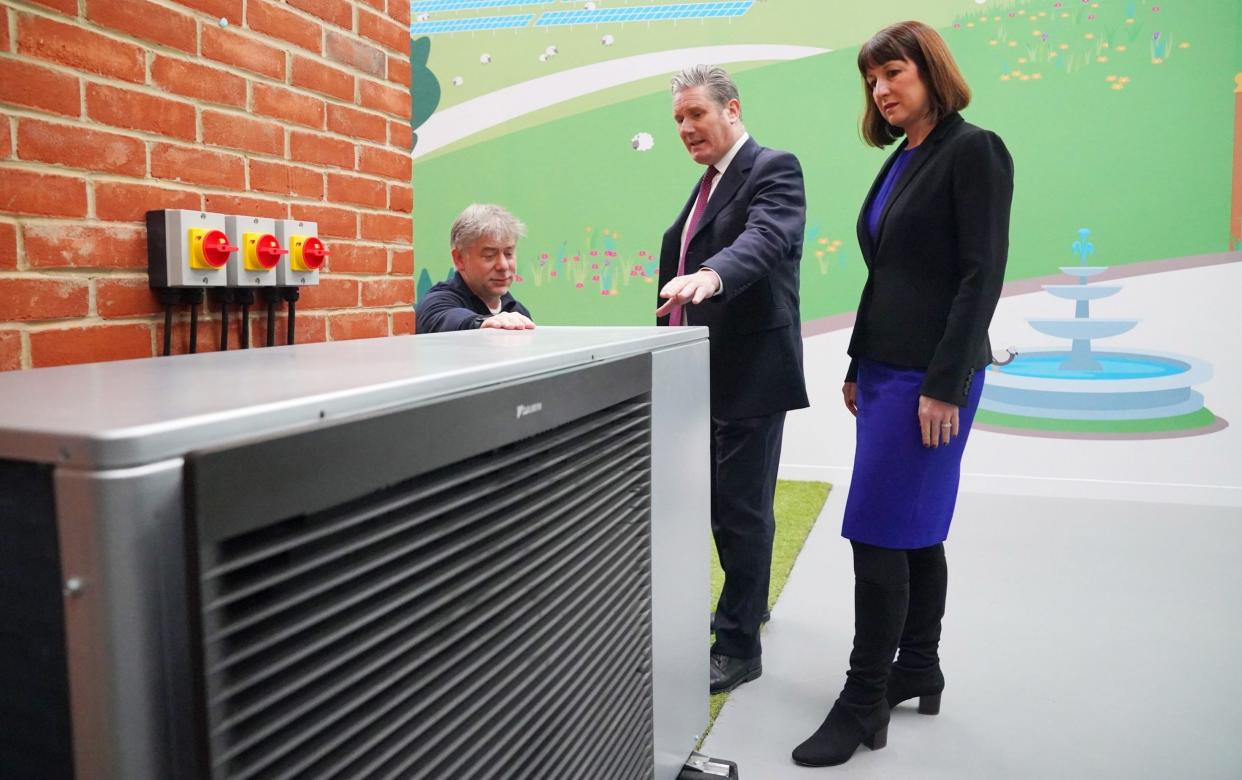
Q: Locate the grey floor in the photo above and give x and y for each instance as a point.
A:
(1084, 639)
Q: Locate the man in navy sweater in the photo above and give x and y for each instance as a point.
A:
(484, 240)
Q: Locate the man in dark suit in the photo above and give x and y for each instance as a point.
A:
(484, 244)
(730, 262)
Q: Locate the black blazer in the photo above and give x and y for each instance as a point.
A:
(751, 235)
(935, 269)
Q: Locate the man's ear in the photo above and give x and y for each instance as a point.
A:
(735, 109)
(457, 260)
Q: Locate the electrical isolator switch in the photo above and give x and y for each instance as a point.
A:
(259, 254)
(188, 248)
(307, 253)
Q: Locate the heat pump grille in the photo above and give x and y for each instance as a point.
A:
(487, 619)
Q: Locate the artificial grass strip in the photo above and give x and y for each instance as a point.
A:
(798, 504)
(1181, 422)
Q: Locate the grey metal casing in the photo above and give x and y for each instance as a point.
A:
(118, 431)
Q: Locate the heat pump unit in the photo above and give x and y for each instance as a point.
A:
(468, 555)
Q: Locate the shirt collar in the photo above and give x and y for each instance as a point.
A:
(725, 161)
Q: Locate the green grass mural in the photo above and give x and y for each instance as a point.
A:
(1118, 115)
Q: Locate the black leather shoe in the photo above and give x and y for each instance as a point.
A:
(728, 672)
(767, 615)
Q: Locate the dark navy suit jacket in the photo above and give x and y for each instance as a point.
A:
(450, 305)
(936, 266)
(751, 235)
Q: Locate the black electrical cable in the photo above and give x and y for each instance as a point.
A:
(291, 295)
(195, 297)
(167, 329)
(169, 297)
(246, 297)
(224, 323)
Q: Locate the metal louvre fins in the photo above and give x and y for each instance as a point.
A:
(491, 619)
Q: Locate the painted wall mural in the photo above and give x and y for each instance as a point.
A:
(1122, 116)
(1086, 391)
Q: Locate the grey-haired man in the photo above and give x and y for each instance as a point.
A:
(484, 245)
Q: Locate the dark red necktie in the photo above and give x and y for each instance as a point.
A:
(700, 205)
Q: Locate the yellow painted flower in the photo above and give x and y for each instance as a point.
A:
(1064, 46)
(1110, 78)
(993, 42)
(970, 24)
(1089, 36)
(1004, 77)
(1120, 48)
(1119, 86)
(1036, 33)
(1012, 44)
(1157, 60)
(823, 240)
(1037, 76)
(1124, 79)
(1129, 21)
(1026, 78)
(1016, 73)
(1101, 58)
(1022, 60)
(1052, 55)
(1065, 14)
(1184, 45)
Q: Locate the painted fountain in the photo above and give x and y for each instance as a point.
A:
(1087, 392)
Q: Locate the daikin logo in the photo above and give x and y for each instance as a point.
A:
(525, 409)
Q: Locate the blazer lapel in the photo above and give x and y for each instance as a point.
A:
(865, 241)
(729, 184)
(926, 151)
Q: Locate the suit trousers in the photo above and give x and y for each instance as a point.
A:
(745, 453)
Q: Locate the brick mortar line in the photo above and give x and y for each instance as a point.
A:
(198, 58)
(202, 19)
(205, 314)
(88, 123)
(111, 177)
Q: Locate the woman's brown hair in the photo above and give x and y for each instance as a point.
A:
(914, 41)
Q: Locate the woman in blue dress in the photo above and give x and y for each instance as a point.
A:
(934, 232)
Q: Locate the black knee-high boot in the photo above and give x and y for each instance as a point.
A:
(917, 669)
(860, 713)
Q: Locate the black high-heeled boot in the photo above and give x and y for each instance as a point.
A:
(846, 727)
(916, 672)
(860, 715)
(926, 684)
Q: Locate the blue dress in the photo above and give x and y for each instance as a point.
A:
(902, 494)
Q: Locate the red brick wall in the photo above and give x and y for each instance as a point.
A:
(296, 109)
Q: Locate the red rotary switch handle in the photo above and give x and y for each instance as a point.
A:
(216, 248)
(314, 253)
(268, 251)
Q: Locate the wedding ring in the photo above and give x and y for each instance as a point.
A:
(946, 425)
